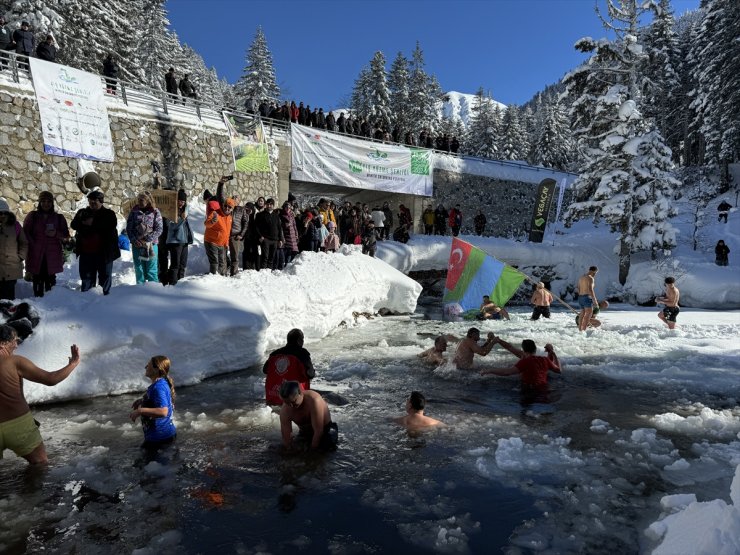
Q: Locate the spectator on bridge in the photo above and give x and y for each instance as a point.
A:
(342, 123)
(110, 72)
(294, 112)
(331, 124)
(6, 38)
(187, 89)
(46, 50)
(454, 145)
(170, 82)
(285, 114)
(302, 114)
(25, 42)
(440, 220)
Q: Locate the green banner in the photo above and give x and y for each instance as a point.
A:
(248, 145)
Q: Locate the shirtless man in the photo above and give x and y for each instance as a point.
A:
(670, 300)
(469, 347)
(541, 299)
(533, 368)
(491, 311)
(415, 419)
(310, 413)
(435, 355)
(586, 297)
(18, 430)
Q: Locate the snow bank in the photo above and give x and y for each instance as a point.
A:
(206, 324)
(698, 527)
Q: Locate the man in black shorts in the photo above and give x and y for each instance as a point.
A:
(670, 300)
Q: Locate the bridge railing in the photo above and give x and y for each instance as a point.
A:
(207, 109)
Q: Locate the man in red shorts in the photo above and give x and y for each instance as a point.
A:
(532, 368)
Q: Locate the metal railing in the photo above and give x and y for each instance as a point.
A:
(207, 109)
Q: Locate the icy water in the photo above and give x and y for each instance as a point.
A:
(501, 477)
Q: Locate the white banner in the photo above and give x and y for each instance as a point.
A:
(74, 118)
(561, 193)
(323, 157)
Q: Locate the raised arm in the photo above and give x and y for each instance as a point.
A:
(29, 371)
(509, 347)
(556, 367)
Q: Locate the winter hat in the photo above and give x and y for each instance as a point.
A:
(4, 205)
(331, 225)
(291, 197)
(95, 195)
(182, 195)
(46, 195)
(230, 202)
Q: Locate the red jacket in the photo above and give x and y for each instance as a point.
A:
(289, 363)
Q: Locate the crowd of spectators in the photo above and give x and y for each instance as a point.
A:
(350, 125)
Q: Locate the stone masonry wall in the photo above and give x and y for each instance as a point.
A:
(507, 205)
(189, 157)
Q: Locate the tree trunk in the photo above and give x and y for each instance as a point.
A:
(624, 258)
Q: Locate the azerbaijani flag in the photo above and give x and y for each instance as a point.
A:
(472, 273)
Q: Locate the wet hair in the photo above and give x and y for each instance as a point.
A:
(593, 269)
(540, 285)
(529, 347)
(162, 365)
(289, 389)
(295, 337)
(7, 333)
(441, 339)
(472, 332)
(417, 400)
(670, 280)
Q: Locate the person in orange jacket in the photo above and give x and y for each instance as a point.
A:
(218, 229)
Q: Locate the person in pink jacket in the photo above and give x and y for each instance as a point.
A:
(331, 242)
(47, 232)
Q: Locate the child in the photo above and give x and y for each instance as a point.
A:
(331, 243)
(156, 406)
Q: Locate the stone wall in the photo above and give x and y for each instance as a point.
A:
(507, 205)
(190, 156)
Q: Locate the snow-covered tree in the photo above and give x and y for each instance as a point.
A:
(663, 86)
(398, 87)
(554, 146)
(454, 127)
(424, 95)
(716, 98)
(484, 128)
(625, 179)
(156, 48)
(514, 143)
(258, 83)
(361, 94)
(379, 111)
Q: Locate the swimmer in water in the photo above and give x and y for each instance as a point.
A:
(415, 419)
(435, 355)
(469, 347)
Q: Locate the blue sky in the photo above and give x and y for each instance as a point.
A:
(511, 47)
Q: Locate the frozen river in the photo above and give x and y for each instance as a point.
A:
(639, 413)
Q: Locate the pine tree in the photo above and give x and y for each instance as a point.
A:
(716, 98)
(454, 127)
(424, 95)
(156, 47)
(514, 141)
(361, 94)
(483, 131)
(258, 82)
(625, 179)
(554, 146)
(379, 112)
(660, 67)
(398, 86)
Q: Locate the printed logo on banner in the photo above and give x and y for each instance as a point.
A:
(419, 162)
(64, 76)
(377, 155)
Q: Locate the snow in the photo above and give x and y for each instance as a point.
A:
(207, 324)
(504, 170)
(460, 105)
(693, 527)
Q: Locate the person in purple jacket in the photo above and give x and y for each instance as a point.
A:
(47, 233)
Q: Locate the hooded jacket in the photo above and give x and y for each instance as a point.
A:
(13, 249)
